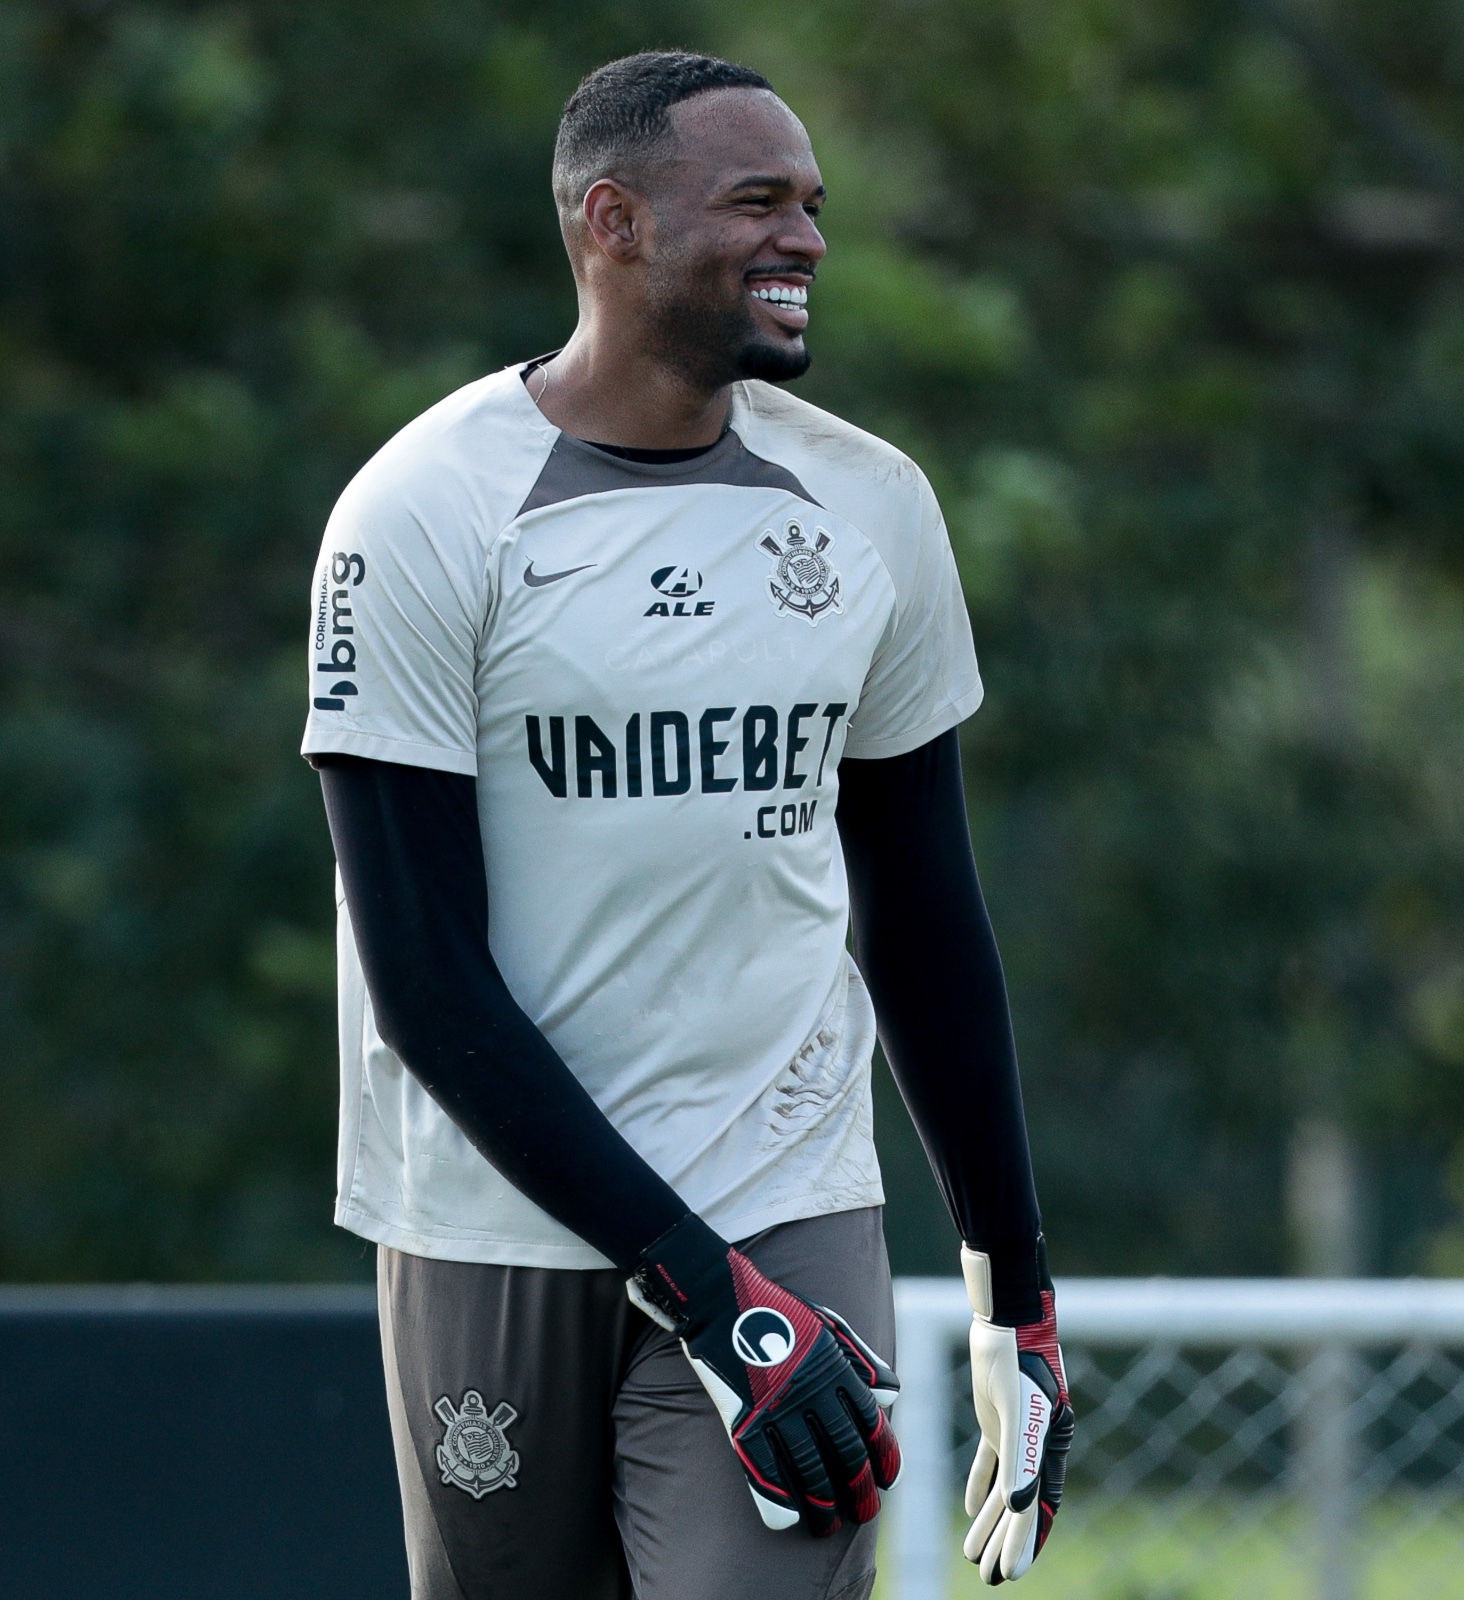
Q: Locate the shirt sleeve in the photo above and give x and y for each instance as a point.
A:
(923, 679)
(399, 601)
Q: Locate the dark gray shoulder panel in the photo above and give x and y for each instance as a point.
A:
(575, 468)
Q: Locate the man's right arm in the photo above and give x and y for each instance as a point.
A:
(812, 1439)
(408, 846)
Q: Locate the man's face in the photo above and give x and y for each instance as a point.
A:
(734, 243)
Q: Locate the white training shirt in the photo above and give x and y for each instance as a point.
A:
(652, 670)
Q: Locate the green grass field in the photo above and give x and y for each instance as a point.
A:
(1230, 1549)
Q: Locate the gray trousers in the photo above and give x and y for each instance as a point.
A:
(554, 1444)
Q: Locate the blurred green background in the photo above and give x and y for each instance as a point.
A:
(1167, 296)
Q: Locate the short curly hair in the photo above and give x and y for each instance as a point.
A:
(618, 120)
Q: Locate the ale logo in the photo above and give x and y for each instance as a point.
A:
(678, 584)
(763, 1337)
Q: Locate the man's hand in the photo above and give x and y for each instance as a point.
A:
(1026, 1421)
(799, 1393)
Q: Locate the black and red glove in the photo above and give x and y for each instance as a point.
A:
(1026, 1419)
(798, 1391)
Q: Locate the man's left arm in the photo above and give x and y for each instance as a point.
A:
(925, 947)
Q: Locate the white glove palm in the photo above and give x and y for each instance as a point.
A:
(1026, 1421)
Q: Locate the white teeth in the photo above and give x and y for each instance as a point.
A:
(781, 296)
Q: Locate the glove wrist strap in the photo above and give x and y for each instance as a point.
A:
(1006, 1286)
(976, 1270)
(676, 1270)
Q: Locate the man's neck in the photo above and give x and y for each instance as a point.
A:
(624, 397)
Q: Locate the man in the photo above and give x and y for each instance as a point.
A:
(600, 642)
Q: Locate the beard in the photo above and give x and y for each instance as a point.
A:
(773, 363)
(713, 346)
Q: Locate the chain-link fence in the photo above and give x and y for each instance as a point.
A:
(1237, 1441)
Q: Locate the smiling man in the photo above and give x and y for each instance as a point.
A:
(632, 678)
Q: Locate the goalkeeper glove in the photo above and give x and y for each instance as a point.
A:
(799, 1393)
(1026, 1421)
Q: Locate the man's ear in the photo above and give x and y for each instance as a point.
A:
(617, 218)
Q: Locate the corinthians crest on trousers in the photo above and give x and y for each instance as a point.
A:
(803, 582)
(475, 1455)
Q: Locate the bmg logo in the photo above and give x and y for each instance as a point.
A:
(334, 625)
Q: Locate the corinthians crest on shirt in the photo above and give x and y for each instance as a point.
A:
(475, 1455)
(803, 583)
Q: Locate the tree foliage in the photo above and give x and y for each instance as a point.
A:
(1167, 299)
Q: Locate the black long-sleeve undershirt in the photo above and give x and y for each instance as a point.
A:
(410, 854)
(924, 943)
(411, 859)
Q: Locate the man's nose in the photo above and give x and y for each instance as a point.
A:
(801, 237)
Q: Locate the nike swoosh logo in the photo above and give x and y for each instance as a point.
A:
(537, 580)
